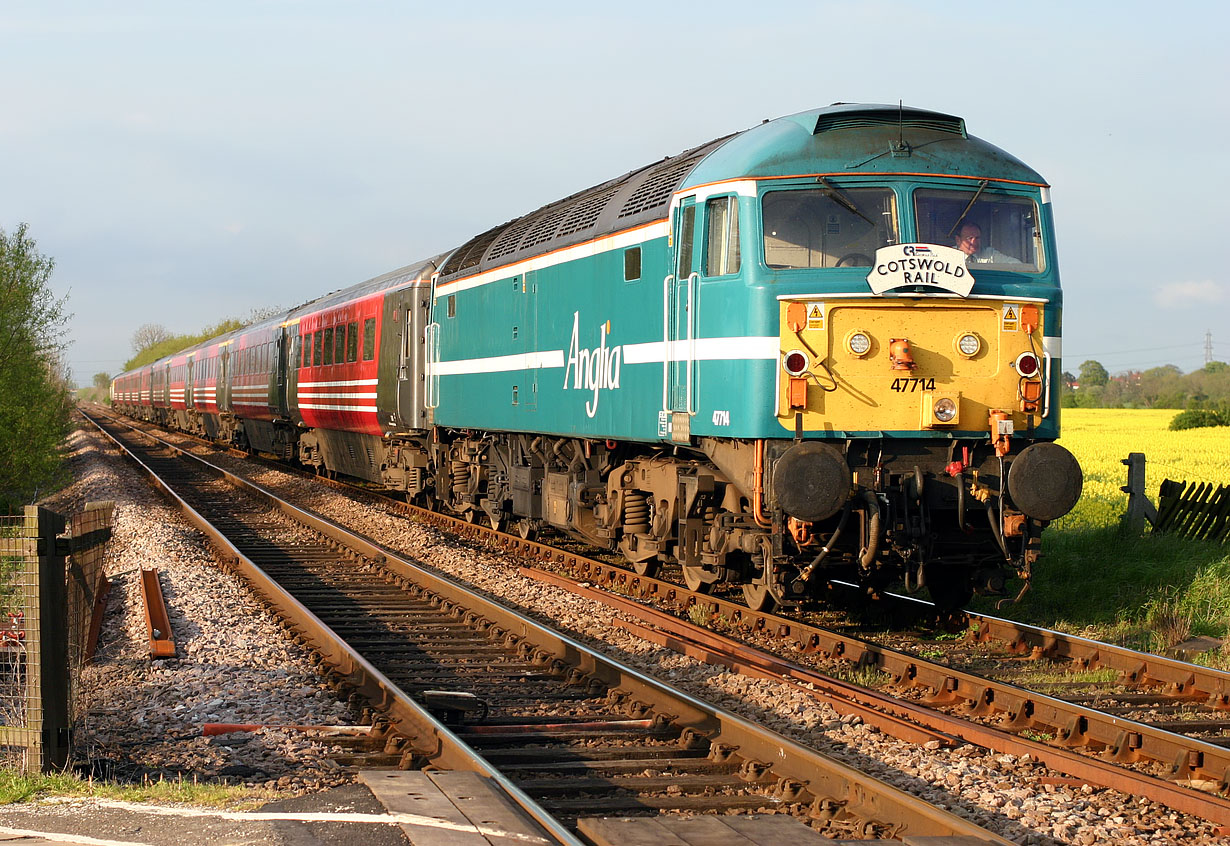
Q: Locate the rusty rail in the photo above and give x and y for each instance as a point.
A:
(157, 623)
(705, 645)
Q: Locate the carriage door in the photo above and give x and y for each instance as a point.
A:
(223, 390)
(680, 316)
(281, 352)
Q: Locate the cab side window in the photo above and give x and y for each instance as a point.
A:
(722, 236)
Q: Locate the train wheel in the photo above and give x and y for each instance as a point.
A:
(525, 529)
(693, 577)
(758, 597)
(648, 568)
(756, 593)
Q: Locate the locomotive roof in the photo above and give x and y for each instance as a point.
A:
(842, 138)
(860, 139)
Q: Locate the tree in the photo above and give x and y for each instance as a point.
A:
(102, 381)
(149, 335)
(1093, 374)
(34, 393)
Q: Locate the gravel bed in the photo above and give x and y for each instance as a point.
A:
(139, 717)
(1007, 794)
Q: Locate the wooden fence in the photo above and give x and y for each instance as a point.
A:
(50, 608)
(1197, 511)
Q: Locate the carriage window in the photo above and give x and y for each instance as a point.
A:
(352, 342)
(305, 345)
(722, 239)
(369, 339)
(328, 344)
(827, 227)
(998, 231)
(339, 351)
(318, 359)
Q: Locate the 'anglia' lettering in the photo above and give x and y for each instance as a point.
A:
(592, 369)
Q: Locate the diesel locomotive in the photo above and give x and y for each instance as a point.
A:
(822, 348)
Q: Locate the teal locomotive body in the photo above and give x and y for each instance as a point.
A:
(825, 347)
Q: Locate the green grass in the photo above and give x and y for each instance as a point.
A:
(1142, 591)
(18, 787)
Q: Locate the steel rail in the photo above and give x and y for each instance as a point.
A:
(1072, 724)
(1176, 678)
(705, 645)
(836, 788)
(446, 750)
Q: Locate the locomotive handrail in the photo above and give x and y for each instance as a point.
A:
(431, 333)
(666, 340)
(1046, 394)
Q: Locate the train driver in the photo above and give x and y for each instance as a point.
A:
(969, 241)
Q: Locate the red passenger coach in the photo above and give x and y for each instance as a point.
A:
(258, 389)
(336, 385)
(208, 381)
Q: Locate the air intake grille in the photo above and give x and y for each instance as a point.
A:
(657, 189)
(470, 254)
(510, 240)
(875, 120)
(544, 228)
(584, 214)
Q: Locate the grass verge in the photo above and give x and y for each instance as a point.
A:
(16, 786)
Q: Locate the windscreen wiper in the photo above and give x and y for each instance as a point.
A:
(981, 187)
(842, 199)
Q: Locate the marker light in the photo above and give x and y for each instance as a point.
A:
(969, 345)
(1027, 365)
(795, 362)
(944, 410)
(859, 343)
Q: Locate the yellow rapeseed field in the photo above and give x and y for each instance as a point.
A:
(1101, 438)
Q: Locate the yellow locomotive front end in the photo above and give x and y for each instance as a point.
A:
(854, 364)
(924, 416)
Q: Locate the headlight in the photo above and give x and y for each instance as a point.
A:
(969, 345)
(858, 342)
(944, 410)
(795, 362)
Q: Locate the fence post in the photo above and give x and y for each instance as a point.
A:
(1140, 508)
(52, 691)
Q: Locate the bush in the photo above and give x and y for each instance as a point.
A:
(1199, 418)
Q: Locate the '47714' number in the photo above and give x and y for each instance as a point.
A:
(911, 385)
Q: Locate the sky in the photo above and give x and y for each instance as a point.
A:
(184, 163)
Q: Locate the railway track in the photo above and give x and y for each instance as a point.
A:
(463, 683)
(1179, 762)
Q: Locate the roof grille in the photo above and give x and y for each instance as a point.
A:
(471, 253)
(544, 227)
(585, 212)
(657, 189)
(508, 243)
(866, 120)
